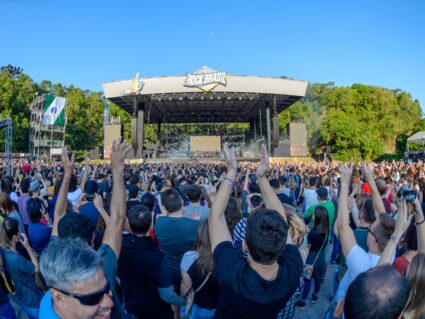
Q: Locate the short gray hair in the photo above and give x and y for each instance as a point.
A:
(67, 261)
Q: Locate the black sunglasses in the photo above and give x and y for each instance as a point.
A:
(91, 299)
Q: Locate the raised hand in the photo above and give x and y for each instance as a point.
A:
(67, 161)
(263, 166)
(98, 201)
(230, 157)
(346, 172)
(403, 219)
(119, 151)
(366, 171)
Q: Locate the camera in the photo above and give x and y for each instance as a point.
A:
(410, 196)
(90, 197)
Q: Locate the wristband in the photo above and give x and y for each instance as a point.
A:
(421, 222)
(395, 239)
(228, 179)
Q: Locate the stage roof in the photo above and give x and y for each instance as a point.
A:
(218, 97)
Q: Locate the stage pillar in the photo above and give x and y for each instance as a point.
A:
(251, 131)
(268, 130)
(140, 132)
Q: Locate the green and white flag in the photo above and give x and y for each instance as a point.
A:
(54, 110)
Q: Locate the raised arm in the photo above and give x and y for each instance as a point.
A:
(270, 198)
(98, 203)
(378, 204)
(420, 226)
(86, 174)
(61, 203)
(346, 235)
(219, 232)
(113, 232)
(402, 223)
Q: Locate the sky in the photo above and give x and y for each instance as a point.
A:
(87, 42)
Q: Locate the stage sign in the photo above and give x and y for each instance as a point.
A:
(206, 79)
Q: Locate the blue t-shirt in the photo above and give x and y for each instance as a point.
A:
(22, 272)
(46, 307)
(90, 211)
(39, 236)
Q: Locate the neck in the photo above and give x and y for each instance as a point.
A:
(176, 214)
(195, 203)
(267, 272)
(12, 246)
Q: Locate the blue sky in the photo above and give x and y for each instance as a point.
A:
(88, 42)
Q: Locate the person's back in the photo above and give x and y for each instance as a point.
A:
(143, 269)
(195, 210)
(310, 198)
(39, 236)
(90, 211)
(139, 271)
(244, 293)
(176, 236)
(22, 202)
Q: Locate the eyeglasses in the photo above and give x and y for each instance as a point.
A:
(91, 299)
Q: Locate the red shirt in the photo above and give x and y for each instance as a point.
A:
(401, 264)
(366, 188)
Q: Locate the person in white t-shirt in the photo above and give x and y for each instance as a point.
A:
(310, 195)
(380, 233)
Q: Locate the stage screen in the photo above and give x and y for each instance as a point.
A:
(298, 137)
(205, 143)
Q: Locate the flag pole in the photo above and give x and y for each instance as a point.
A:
(51, 142)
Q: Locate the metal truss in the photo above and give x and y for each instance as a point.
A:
(7, 123)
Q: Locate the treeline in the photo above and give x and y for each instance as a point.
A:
(357, 122)
(353, 123)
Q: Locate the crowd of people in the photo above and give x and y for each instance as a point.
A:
(211, 240)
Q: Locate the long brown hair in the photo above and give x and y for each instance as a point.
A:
(321, 220)
(9, 227)
(202, 246)
(6, 203)
(233, 214)
(415, 305)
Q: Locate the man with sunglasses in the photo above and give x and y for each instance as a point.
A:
(89, 289)
(78, 285)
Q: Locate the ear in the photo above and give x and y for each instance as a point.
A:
(58, 298)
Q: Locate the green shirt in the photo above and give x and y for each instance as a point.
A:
(331, 214)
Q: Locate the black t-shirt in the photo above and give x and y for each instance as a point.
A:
(284, 199)
(142, 269)
(208, 296)
(132, 203)
(244, 294)
(316, 240)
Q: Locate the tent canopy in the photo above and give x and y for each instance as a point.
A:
(418, 137)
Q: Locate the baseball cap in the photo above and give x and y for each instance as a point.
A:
(35, 185)
(26, 168)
